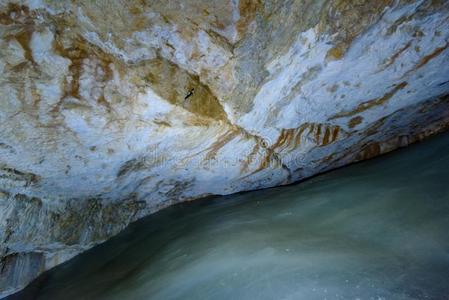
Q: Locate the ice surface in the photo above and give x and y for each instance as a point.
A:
(375, 230)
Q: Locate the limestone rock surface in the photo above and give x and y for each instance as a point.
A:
(112, 110)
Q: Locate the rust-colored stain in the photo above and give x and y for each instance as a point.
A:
(77, 53)
(347, 20)
(173, 83)
(120, 18)
(248, 10)
(370, 151)
(290, 139)
(19, 15)
(250, 158)
(161, 123)
(220, 143)
(336, 53)
(318, 133)
(14, 13)
(271, 159)
(322, 134)
(24, 38)
(371, 103)
(327, 136)
(13, 174)
(355, 121)
(428, 58)
(335, 133)
(395, 56)
(102, 101)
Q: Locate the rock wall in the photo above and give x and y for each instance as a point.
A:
(112, 110)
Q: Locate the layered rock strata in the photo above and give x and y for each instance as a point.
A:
(112, 110)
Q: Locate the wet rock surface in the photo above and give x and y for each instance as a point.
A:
(112, 110)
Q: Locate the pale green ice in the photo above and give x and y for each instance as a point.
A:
(374, 230)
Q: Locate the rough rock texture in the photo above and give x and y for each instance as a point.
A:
(111, 110)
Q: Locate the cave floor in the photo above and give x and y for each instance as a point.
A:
(374, 230)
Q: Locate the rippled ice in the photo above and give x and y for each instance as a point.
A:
(375, 230)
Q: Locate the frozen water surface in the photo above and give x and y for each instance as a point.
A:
(374, 230)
